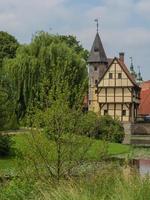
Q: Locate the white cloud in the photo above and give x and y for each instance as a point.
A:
(120, 27)
(113, 12)
(143, 8)
(23, 18)
(8, 20)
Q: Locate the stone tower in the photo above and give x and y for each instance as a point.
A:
(97, 65)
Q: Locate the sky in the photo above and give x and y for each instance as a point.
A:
(124, 25)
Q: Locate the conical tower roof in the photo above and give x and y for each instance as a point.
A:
(97, 54)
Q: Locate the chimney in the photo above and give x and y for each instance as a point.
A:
(121, 56)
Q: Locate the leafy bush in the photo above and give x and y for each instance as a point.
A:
(111, 129)
(102, 127)
(6, 145)
(89, 124)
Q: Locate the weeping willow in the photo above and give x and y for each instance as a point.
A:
(44, 69)
(7, 108)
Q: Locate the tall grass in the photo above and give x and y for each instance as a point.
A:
(109, 183)
(105, 185)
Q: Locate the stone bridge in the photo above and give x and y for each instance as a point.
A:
(137, 134)
(140, 129)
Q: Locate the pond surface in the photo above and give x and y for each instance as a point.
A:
(143, 166)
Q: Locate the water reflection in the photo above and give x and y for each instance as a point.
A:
(142, 165)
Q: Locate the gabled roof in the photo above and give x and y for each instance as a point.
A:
(144, 108)
(124, 68)
(145, 85)
(97, 54)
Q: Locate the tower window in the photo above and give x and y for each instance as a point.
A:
(110, 75)
(124, 113)
(119, 75)
(96, 49)
(96, 81)
(95, 68)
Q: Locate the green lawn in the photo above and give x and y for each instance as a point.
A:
(21, 142)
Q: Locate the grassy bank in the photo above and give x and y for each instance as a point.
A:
(106, 182)
(109, 183)
(21, 142)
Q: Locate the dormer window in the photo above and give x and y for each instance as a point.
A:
(96, 49)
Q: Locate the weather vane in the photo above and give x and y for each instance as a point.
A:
(97, 24)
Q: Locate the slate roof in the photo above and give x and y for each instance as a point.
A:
(97, 54)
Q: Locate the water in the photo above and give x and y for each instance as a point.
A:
(143, 166)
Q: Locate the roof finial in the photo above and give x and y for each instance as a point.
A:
(140, 79)
(131, 59)
(97, 24)
(131, 66)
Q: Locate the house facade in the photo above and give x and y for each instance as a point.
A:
(112, 88)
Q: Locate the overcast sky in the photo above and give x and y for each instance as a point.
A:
(124, 24)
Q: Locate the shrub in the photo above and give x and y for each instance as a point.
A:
(102, 127)
(6, 144)
(89, 124)
(111, 129)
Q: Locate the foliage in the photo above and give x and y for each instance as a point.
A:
(89, 125)
(8, 46)
(18, 189)
(94, 153)
(49, 64)
(107, 183)
(111, 129)
(102, 127)
(7, 106)
(58, 148)
(6, 145)
(73, 43)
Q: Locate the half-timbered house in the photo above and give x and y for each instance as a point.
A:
(112, 88)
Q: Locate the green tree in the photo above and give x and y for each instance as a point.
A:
(47, 65)
(8, 46)
(73, 43)
(7, 105)
(58, 148)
